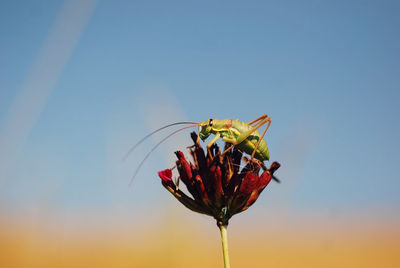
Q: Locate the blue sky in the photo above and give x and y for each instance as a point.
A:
(327, 72)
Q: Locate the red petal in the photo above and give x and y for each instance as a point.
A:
(185, 164)
(201, 188)
(274, 167)
(165, 175)
(180, 156)
(265, 178)
(217, 174)
(249, 183)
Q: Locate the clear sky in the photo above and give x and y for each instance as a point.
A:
(82, 81)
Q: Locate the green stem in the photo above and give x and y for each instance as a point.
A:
(224, 239)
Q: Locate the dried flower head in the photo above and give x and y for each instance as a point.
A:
(216, 183)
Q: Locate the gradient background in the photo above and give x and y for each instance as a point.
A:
(82, 80)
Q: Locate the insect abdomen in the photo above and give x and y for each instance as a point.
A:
(249, 144)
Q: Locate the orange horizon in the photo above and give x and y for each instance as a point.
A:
(184, 242)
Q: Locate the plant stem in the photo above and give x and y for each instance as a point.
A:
(224, 239)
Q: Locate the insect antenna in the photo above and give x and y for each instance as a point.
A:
(148, 154)
(150, 134)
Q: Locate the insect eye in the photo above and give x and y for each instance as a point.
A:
(211, 122)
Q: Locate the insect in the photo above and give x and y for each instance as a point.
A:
(244, 136)
(240, 134)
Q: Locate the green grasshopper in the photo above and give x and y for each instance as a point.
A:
(244, 136)
(240, 134)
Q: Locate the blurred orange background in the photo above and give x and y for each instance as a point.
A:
(179, 239)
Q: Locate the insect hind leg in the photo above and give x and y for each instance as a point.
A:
(267, 119)
(258, 119)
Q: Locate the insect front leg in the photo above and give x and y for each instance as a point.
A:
(228, 149)
(214, 140)
(198, 134)
(229, 140)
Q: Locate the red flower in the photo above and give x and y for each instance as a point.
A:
(217, 185)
